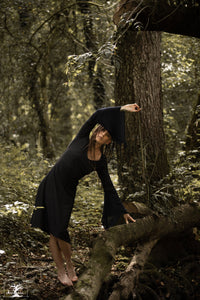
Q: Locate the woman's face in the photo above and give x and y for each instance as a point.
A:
(103, 137)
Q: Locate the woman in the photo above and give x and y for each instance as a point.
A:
(56, 193)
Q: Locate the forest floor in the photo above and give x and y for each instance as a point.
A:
(35, 279)
(30, 273)
(26, 267)
(27, 270)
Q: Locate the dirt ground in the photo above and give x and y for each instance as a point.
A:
(33, 279)
(27, 270)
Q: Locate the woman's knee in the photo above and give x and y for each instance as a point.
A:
(53, 239)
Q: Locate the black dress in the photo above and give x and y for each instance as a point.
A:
(56, 193)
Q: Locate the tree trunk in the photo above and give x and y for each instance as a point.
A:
(179, 17)
(96, 77)
(193, 132)
(138, 79)
(105, 247)
(41, 107)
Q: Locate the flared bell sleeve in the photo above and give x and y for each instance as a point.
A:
(113, 208)
(111, 118)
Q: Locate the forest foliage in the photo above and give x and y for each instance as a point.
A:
(44, 44)
(57, 66)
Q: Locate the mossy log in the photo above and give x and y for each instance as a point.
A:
(124, 288)
(105, 247)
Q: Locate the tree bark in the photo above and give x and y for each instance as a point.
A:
(41, 107)
(138, 79)
(163, 15)
(193, 132)
(96, 77)
(149, 228)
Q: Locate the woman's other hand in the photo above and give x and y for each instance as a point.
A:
(131, 107)
(128, 218)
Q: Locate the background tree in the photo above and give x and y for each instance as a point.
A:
(38, 51)
(193, 132)
(180, 87)
(95, 76)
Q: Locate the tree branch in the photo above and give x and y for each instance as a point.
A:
(124, 288)
(160, 15)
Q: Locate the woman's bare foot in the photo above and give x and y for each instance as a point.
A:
(64, 279)
(71, 272)
(74, 278)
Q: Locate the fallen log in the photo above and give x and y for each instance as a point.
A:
(105, 247)
(124, 288)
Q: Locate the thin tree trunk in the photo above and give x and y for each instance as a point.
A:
(40, 106)
(193, 132)
(96, 77)
(149, 228)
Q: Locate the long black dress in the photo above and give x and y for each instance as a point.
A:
(56, 193)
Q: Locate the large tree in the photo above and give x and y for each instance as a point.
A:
(138, 79)
(137, 65)
(174, 16)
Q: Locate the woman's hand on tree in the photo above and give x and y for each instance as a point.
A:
(128, 218)
(131, 107)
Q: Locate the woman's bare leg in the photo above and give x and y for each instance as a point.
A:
(66, 250)
(58, 259)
